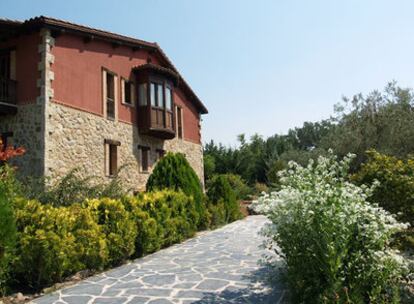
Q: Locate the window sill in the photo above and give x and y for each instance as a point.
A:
(129, 105)
(144, 172)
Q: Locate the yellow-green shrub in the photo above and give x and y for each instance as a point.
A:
(162, 218)
(55, 242)
(93, 251)
(395, 192)
(118, 226)
(46, 249)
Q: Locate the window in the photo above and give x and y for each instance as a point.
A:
(7, 76)
(142, 94)
(109, 93)
(144, 158)
(128, 92)
(168, 98)
(152, 95)
(179, 112)
(160, 96)
(111, 152)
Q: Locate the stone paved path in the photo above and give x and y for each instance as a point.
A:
(215, 267)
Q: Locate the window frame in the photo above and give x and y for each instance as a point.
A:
(179, 121)
(144, 150)
(105, 73)
(132, 94)
(111, 157)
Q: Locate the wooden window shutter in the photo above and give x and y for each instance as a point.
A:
(104, 90)
(122, 89)
(133, 93)
(113, 160)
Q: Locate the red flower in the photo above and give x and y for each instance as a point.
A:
(9, 152)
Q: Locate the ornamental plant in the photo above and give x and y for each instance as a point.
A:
(334, 242)
(174, 172)
(9, 152)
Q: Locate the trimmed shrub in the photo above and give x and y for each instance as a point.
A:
(92, 244)
(174, 172)
(7, 225)
(336, 244)
(118, 226)
(162, 218)
(222, 197)
(47, 250)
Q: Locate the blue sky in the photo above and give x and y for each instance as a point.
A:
(260, 66)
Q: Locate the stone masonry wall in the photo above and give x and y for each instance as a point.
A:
(76, 140)
(26, 126)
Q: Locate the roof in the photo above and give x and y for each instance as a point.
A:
(159, 69)
(65, 26)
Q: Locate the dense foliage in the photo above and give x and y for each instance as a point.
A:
(334, 242)
(8, 189)
(174, 172)
(381, 121)
(237, 184)
(7, 224)
(395, 192)
(222, 202)
(54, 242)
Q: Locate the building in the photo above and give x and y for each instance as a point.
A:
(78, 97)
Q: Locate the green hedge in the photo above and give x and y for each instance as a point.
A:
(55, 242)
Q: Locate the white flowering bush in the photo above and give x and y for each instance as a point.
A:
(335, 244)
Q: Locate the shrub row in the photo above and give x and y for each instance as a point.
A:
(54, 242)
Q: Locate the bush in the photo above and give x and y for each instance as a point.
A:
(174, 172)
(118, 226)
(55, 242)
(335, 243)
(162, 218)
(222, 201)
(395, 192)
(237, 184)
(47, 249)
(7, 226)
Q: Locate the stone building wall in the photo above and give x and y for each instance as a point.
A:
(76, 140)
(27, 130)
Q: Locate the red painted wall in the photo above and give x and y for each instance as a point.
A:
(78, 78)
(27, 59)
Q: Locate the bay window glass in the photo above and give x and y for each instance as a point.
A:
(168, 99)
(160, 96)
(142, 94)
(152, 95)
